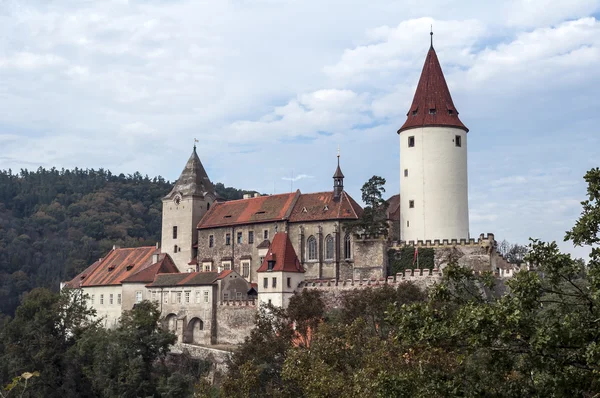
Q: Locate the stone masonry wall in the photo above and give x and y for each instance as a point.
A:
(235, 320)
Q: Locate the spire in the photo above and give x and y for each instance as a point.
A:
(193, 179)
(432, 104)
(431, 34)
(338, 179)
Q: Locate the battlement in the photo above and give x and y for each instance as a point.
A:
(409, 275)
(485, 240)
(238, 303)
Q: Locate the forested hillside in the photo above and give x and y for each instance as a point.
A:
(54, 223)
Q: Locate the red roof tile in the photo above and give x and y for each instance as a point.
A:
(249, 211)
(224, 274)
(165, 265)
(184, 279)
(432, 104)
(321, 206)
(76, 282)
(284, 255)
(118, 265)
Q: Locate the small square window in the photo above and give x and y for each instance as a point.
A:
(407, 223)
(411, 204)
(458, 141)
(411, 141)
(405, 172)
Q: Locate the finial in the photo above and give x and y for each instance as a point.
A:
(431, 34)
(338, 154)
(195, 140)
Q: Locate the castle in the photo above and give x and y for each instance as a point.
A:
(219, 259)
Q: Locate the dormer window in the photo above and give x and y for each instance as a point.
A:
(304, 210)
(414, 113)
(432, 111)
(111, 268)
(129, 267)
(325, 208)
(270, 265)
(450, 112)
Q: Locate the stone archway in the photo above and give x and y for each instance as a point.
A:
(170, 323)
(194, 332)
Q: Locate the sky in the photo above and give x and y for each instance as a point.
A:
(270, 88)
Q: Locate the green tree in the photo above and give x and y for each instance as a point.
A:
(373, 220)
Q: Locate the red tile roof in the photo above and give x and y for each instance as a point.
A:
(432, 94)
(224, 274)
(249, 211)
(119, 264)
(321, 206)
(184, 279)
(284, 255)
(165, 265)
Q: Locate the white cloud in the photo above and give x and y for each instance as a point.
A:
(297, 178)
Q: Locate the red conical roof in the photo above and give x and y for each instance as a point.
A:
(282, 252)
(432, 104)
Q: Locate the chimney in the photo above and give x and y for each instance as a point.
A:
(154, 258)
(157, 245)
(115, 247)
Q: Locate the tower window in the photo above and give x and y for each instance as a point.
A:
(211, 240)
(405, 172)
(411, 204)
(289, 282)
(407, 224)
(411, 141)
(458, 141)
(175, 232)
(227, 239)
(432, 111)
(175, 249)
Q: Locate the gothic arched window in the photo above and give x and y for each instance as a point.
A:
(311, 244)
(329, 247)
(347, 247)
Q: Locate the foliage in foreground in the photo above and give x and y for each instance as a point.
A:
(539, 340)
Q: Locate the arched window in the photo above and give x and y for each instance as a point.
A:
(207, 206)
(329, 247)
(347, 247)
(312, 248)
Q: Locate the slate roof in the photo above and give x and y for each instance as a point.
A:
(283, 253)
(116, 266)
(165, 265)
(322, 206)
(249, 211)
(193, 179)
(432, 94)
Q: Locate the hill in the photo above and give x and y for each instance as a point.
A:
(54, 223)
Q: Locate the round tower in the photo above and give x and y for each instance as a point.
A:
(433, 162)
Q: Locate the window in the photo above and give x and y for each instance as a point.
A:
(206, 297)
(178, 298)
(175, 249)
(266, 283)
(450, 111)
(226, 265)
(138, 296)
(207, 266)
(432, 111)
(239, 237)
(269, 301)
(251, 237)
(411, 204)
(225, 296)
(245, 269)
(266, 234)
(197, 296)
(166, 297)
(228, 239)
(312, 248)
(329, 247)
(119, 298)
(238, 295)
(175, 232)
(187, 297)
(411, 141)
(211, 240)
(414, 113)
(274, 282)
(102, 299)
(347, 247)
(92, 298)
(207, 206)
(407, 223)
(405, 172)
(110, 299)
(458, 141)
(289, 282)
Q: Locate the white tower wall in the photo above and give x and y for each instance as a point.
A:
(436, 182)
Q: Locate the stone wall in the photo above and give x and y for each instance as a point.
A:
(370, 259)
(235, 319)
(217, 358)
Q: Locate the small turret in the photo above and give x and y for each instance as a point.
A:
(338, 180)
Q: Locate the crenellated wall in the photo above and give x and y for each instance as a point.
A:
(235, 319)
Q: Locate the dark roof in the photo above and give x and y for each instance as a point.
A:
(249, 211)
(165, 265)
(193, 179)
(284, 255)
(393, 210)
(264, 244)
(432, 93)
(338, 172)
(118, 265)
(185, 279)
(322, 206)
